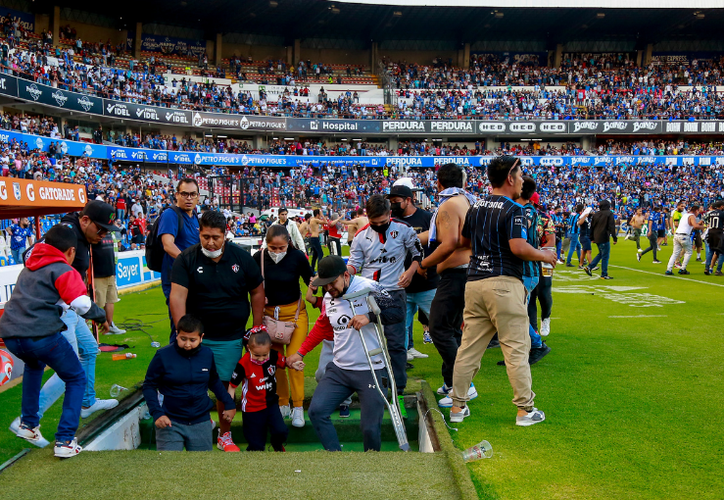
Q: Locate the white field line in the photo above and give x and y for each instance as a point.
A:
(665, 276)
(642, 316)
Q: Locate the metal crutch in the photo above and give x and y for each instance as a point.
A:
(393, 407)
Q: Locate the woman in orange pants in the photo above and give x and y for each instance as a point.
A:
(282, 268)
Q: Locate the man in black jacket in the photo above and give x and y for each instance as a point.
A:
(603, 227)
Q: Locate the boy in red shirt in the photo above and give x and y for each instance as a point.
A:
(255, 372)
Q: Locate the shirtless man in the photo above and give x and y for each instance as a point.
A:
(637, 222)
(353, 225)
(315, 226)
(446, 311)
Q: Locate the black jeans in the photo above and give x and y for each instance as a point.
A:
(317, 252)
(256, 425)
(542, 293)
(653, 245)
(446, 318)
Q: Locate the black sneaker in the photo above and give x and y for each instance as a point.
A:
(684, 272)
(538, 353)
(668, 273)
(588, 271)
(606, 278)
(657, 262)
(409, 366)
(493, 344)
(698, 259)
(638, 257)
(501, 363)
(706, 272)
(343, 411)
(570, 265)
(596, 268)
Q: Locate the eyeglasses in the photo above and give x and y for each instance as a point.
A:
(184, 194)
(102, 231)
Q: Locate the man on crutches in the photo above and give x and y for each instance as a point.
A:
(351, 324)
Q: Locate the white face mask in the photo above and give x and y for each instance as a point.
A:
(212, 255)
(277, 257)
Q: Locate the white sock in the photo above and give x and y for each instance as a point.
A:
(698, 255)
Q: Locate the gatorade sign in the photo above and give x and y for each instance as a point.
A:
(24, 194)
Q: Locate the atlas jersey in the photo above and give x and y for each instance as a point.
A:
(381, 257)
(490, 225)
(258, 382)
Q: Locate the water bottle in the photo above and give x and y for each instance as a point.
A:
(116, 390)
(481, 450)
(155, 344)
(121, 357)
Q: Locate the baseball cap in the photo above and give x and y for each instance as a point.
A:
(535, 199)
(101, 213)
(404, 181)
(330, 268)
(400, 190)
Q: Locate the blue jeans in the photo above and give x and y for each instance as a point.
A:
(709, 255)
(421, 300)
(325, 357)
(559, 247)
(84, 344)
(55, 352)
(575, 246)
(530, 282)
(604, 251)
(17, 255)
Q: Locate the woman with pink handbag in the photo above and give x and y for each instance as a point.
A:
(285, 315)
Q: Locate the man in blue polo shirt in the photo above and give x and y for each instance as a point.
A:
(178, 228)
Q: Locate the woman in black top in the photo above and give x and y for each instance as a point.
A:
(282, 268)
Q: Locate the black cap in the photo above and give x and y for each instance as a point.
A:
(330, 268)
(102, 214)
(401, 191)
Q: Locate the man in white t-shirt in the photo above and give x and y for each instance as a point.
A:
(682, 238)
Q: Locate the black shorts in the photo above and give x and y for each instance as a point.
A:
(715, 239)
(661, 233)
(697, 239)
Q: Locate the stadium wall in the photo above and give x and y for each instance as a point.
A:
(419, 57)
(95, 34)
(337, 56)
(257, 52)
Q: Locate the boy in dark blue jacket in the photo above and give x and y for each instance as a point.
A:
(31, 327)
(183, 372)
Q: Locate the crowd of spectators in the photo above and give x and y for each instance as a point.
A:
(583, 87)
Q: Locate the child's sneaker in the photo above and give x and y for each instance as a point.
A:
(225, 443)
(67, 449)
(535, 416)
(285, 410)
(298, 416)
(32, 436)
(426, 338)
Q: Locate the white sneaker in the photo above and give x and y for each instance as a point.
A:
(15, 426)
(531, 418)
(415, 353)
(298, 416)
(545, 327)
(67, 450)
(444, 390)
(32, 436)
(115, 330)
(447, 401)
(640, 250)
(459, 416)
(100, 404)
(410, 357)
(285, 410)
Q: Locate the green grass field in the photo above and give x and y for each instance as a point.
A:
(631, 391)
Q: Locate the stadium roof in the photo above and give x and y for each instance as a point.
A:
(596, 4)
(305, 19)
